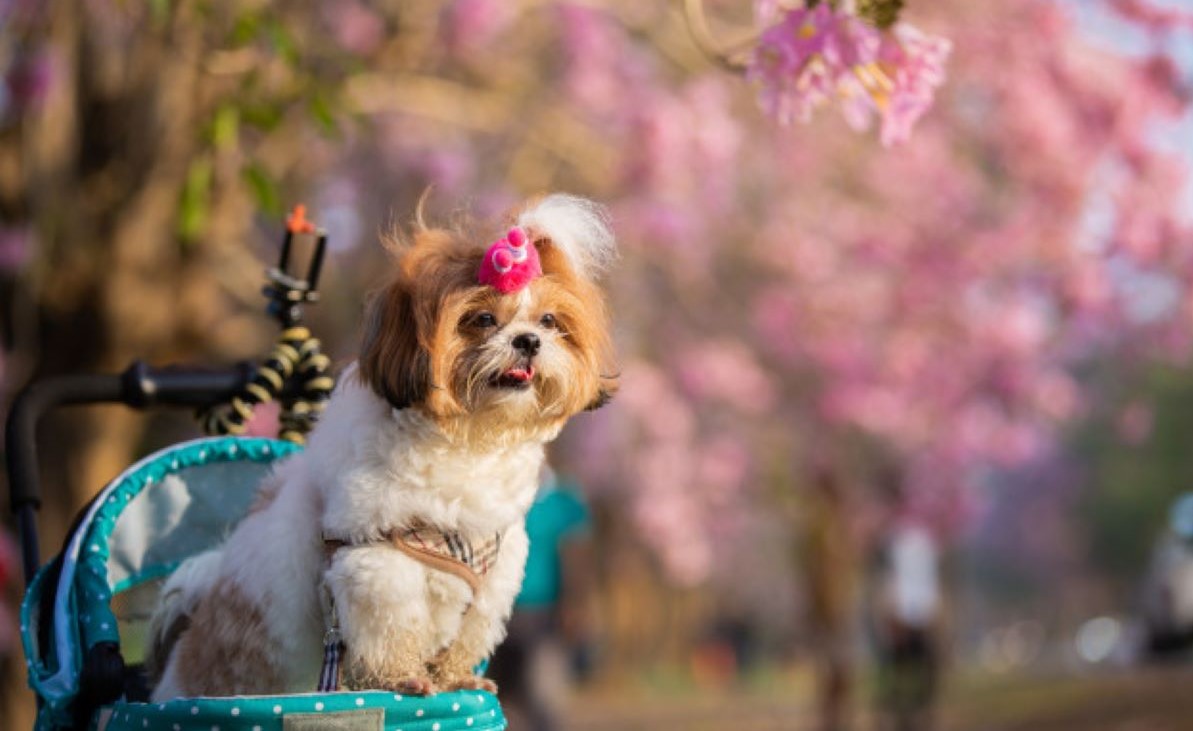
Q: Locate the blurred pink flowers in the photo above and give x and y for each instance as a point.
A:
(915, 62)
(9, 562)
(356, 27)
(1157, 17)
(812, 56)
(728, 372)
(16, 248)
(264, 422)
(800, 61)
(470, 27)
(1135, 423)
(32, 77)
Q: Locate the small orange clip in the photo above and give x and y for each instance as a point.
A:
(297, 222)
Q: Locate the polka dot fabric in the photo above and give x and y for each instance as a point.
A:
(97, 623)
(459, 711)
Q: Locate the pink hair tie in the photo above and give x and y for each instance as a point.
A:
(510, 263)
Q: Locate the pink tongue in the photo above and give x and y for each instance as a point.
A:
(520, 374)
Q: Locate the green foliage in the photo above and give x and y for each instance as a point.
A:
(225, 127)
(880, 13)
(246, 29)
(322, 112)
(196, 199)
(264, 189)
(1131, 488)
(159, 10)
(282, 42)
(263, 116)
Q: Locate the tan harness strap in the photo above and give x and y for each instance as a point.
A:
(446, 552)
(435, 560)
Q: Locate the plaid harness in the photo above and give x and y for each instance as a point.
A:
(446, 551)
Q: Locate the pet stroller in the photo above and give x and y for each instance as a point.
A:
(85, 615)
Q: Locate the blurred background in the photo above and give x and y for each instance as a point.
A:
(903, 430)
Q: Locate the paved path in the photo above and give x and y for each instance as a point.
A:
(1156, 699)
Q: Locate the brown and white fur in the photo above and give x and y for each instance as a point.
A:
(426, 427)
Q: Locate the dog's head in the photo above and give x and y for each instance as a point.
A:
(493, 337)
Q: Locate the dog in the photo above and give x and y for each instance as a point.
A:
(389, 552)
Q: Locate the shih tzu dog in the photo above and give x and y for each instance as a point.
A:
(389, 552)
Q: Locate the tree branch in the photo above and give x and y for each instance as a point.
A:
(728, 57)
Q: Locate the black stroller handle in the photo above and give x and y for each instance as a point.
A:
(139, 386)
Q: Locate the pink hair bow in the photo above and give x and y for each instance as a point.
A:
(510, 263)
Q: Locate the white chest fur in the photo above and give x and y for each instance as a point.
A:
(382, 469)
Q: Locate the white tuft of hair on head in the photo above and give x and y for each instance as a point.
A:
(578, 226)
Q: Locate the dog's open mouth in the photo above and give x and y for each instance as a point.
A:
(518, 377)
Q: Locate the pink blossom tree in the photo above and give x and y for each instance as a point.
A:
(799, 298)
(934, 297)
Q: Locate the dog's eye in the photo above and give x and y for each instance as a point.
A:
(484, 319)
(548, 320)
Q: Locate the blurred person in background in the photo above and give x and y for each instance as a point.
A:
(549, 636)
(906, 621)
(1168, 586)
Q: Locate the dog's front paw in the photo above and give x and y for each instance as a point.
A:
(415, 685)
(470, 682)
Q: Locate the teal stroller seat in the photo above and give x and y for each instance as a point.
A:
(102, 590)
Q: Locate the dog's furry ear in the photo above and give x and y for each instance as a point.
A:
(604, 396)
(393, 362)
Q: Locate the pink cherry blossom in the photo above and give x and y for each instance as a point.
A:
(914, 62)
(807, 58)
(813, 56)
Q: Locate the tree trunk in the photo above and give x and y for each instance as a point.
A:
(829, 560)
(101, 167)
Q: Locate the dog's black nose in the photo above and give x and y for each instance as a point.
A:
(527, 344)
